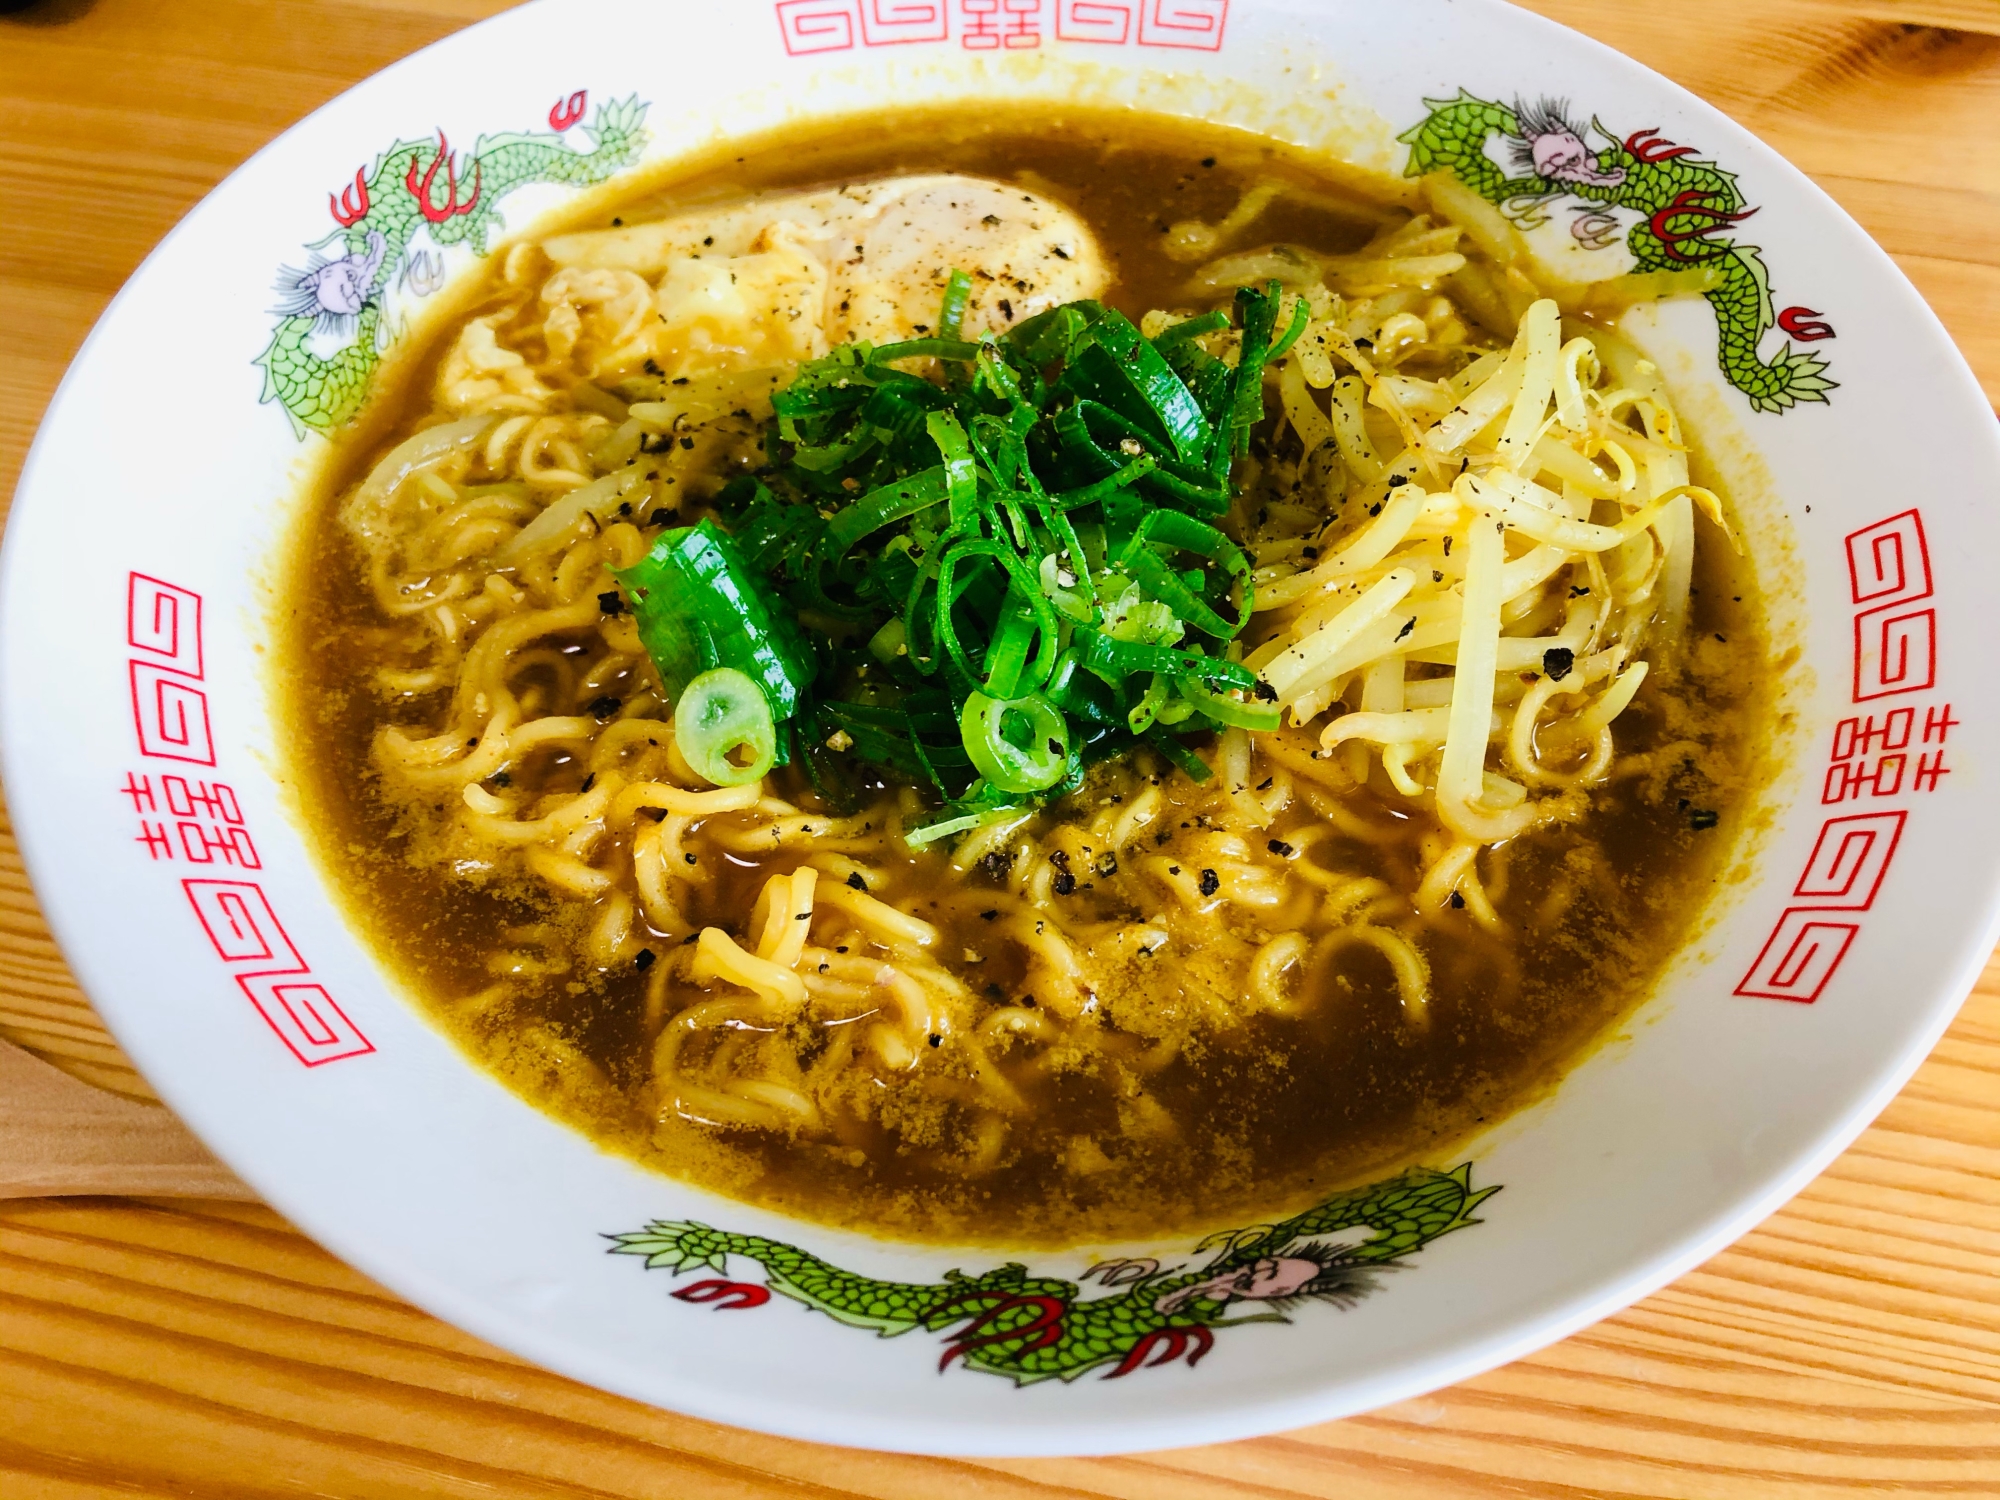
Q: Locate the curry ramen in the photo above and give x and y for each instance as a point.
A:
(1031, 681)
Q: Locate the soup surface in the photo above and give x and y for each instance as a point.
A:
(1156, 1003)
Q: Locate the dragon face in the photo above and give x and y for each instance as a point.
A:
(1263, 1280)
(338, 287)
(1554, 150)
(334, 291)
(341, 287)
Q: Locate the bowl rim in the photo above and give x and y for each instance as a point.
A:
(1171, 1428)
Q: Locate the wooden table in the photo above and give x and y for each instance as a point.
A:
(1849, 1346)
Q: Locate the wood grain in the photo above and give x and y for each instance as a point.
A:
(1850, 1346)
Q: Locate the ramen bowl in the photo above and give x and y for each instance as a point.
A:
(145, 762)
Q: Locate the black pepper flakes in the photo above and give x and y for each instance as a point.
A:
(660, 517)
(856, 882)
(1064, 884)
(1701, 819)
(602, 708)
(611, 602)
(1209, 883)
(645, 960)
(1457, 901)
(688, 857)
(936, 1040)
(1557, 662)
(588, 782)
(1263, 692)
(1107, 865)
(1280, 848)
(989, 914)
(996, 865)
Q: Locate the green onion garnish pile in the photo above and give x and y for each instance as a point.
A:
(984, 581)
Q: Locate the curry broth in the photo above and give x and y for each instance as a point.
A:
(1272, 1113)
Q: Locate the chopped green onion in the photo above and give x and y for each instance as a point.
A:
(1227, 710)
(1019, 744)
(981, 576)
(886, 506)
(1192, 328)
(700, 605)
(950, 348)
(1147, 709)
(1195, 768)
(723, 727)
(961, 480)
(1127, 374)
(957, 292)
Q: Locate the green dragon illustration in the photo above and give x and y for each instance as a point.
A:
(1682, 204)
(414, 186)
(1032, 1328)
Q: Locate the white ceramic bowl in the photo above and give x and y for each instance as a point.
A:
(145, 779)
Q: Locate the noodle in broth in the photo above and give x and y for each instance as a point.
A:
(1519, 706)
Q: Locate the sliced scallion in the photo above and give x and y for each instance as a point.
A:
(1019, 744)
(722, 724)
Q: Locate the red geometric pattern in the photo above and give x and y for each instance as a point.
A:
(237, 916)
(806, 27)
(170, 714)
(241, 926)
(305, 1016)
(1110, 22)
(1874, 757)
(1895, 646)
(1800, 956)
(165, 622)
(184, 819)
(1849, 859)
(1890, 562)
(1895, 651)
(1183, 23)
